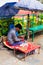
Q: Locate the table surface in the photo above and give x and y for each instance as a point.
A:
(27, 47)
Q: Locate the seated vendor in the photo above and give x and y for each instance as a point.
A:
(12, 37)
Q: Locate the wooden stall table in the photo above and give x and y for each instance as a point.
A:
(26, 47)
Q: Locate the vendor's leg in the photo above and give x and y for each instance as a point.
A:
(17, 43)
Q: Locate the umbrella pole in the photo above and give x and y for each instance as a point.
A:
(27, 30)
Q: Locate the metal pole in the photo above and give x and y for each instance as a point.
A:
(27, 31)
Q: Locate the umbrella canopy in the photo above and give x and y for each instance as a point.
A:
(29, 4)
(2, 2)
(8, 10)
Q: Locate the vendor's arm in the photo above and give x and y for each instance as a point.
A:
(15, 38)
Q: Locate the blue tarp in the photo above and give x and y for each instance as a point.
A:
(29, 4)
(8, 10)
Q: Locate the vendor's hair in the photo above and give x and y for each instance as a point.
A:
(19, 26)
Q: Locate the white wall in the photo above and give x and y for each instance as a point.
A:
(2, 2)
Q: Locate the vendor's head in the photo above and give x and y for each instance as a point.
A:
(18, 27)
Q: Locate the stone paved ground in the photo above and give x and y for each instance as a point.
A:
(7, 58)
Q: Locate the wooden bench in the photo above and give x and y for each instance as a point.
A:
(35, 29)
